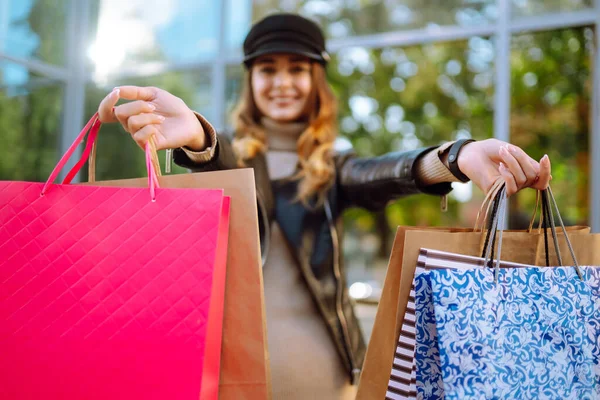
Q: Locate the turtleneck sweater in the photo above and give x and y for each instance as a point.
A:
(303, 358)
(282, 158)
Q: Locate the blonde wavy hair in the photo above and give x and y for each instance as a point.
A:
(315, 144)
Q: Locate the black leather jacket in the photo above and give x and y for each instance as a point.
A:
(314, 235)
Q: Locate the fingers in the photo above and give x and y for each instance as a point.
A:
(125, 111)
(514, 167)
(105, 109)
(528, 166)
(138, 93)
(143, 95)
(509, 179)
(142, 136)
(545, 174)
(137, 122)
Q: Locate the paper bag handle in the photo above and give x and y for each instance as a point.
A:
(93, 127)
(91, 159)
(487, 202)
(90, 154)
(497, 220)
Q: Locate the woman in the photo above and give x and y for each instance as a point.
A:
(285, 128)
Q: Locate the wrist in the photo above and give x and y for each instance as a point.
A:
(198, 139)
(457, 156)
(198, 142)
(464, 156)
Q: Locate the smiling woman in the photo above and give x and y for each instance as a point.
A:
(281, 86)
(288, 88)
(285, 129)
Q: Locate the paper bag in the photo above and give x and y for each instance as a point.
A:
(520, 332)
(101, 293)
(521, 246)
(244, 366)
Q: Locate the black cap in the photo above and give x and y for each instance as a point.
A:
(285, 33)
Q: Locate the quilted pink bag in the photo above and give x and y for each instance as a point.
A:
(109, 292)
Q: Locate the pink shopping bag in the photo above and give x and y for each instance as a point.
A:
(110, 292)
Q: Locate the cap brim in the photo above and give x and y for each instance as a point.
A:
(285, 48)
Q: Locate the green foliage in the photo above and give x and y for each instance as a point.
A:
(390, 99)
(446, 96)
(30, 116)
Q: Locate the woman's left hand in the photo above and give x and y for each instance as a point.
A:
(484, 161)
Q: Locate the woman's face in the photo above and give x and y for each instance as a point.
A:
(281, 84)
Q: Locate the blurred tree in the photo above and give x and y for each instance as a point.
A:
(30, 112)
(550, 94)
(341, 18)
(537, 7)
(390, 99)
(402, 98)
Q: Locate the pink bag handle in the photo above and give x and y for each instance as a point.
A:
(90, 154)
(93, 127)
(91, 141)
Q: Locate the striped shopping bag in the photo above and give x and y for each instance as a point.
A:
(403, 377)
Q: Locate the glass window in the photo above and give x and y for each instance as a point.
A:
(119, 157)
(346, 18)
(34, 29)
(134, 32)
(238, 20)
(233, 89)
(537, 7)
(403, 98)
(550, 113)
(30, 122)
(397, 99)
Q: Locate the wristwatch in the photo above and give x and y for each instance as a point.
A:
(453, 159)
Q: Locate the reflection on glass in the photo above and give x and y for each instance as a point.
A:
(233, 89)
(551, 83)
(30, 122)
(346, 18)
(119, 156)
(397, 99)
(34, 29)
(537, 7)
(138, 31)
(238, 21)
(404, 98)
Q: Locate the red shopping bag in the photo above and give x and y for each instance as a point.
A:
(110, 292)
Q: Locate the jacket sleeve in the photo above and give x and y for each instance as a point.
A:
(217, 156)
(372, 183)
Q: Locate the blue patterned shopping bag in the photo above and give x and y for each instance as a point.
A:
(533, 334)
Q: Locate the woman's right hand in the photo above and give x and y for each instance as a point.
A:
(153, 112)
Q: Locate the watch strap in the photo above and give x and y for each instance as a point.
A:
(453, 159)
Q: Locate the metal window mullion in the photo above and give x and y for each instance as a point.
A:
(411, 37)
(451, 33)
(552, 21)
(502, 81)
(38, 67)
(74, 97)
(595, 127)
(218, 71)
(397, 38)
